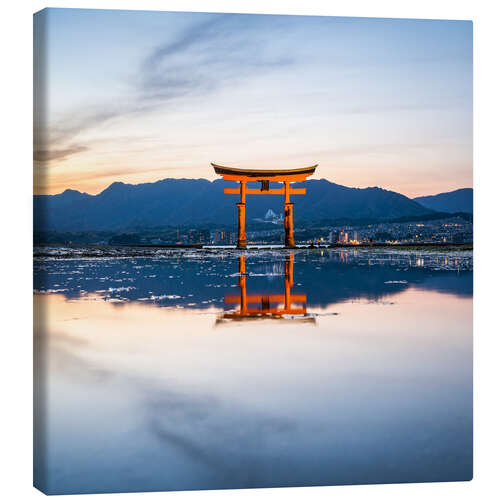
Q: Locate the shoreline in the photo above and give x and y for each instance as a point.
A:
(85, 251)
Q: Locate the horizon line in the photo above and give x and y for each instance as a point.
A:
(222, 180)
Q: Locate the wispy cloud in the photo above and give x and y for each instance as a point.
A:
(58, 141)
(210, 55)
(227, 439)
(47, 155)
(204, 58)
(371, 109)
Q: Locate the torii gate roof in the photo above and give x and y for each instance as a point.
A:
(236, 174)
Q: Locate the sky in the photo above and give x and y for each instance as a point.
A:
(137, 97)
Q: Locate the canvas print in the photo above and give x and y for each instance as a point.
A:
(253, 251)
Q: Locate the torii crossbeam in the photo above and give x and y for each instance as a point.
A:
(243, 176)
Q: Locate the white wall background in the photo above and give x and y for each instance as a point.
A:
(16, 286)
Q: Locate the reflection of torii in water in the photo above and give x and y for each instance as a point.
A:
(283, 303)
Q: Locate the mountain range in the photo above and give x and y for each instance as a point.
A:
(460, 200)
(198, 202)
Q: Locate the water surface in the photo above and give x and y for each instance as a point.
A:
(198, 369)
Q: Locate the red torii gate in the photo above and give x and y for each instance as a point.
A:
(243, 175)
(271, 305)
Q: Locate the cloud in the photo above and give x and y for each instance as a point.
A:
(228, 439)
(207, 56)
(46, 155)
(210, 55)
(394, 108)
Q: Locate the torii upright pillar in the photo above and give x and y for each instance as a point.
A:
(288, 210)
(265, 177)
(242, 235)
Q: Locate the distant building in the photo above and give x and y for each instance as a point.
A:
(221, 237)
(198, 236)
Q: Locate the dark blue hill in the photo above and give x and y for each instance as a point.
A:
(460, 200)
(177, 202)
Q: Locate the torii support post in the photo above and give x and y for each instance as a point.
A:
(242, 236)
(288, 281)
(243, 285)
(289, 241)
(265, 177)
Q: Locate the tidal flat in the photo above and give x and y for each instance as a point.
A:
(169, 369)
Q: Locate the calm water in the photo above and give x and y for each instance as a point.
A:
(194, 370)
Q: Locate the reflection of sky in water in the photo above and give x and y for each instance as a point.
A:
(141, 397)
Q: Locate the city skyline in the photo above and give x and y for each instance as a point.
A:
(142, 96)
